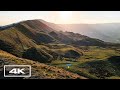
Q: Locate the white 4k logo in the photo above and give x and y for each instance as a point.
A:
(17, 71)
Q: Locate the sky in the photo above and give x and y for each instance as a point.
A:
(61, 17)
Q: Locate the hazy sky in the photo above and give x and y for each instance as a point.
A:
(61, 17)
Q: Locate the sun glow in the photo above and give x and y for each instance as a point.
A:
(65, 15)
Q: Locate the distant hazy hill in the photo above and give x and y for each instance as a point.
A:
(109, 32)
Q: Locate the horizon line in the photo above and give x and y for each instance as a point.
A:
(60, 23)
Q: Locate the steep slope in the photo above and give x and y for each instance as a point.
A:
(36, 31)
(13, 37)
(24, 35)
(39, 70)
(52, 25)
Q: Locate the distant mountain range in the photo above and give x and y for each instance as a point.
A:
(108, 32)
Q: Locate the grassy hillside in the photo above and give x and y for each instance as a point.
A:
(16, 39)
(39, 70)
(37, 35)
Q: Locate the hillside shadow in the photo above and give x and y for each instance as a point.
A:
(115, 60)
